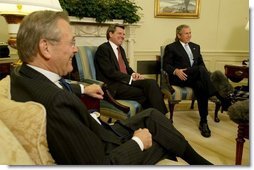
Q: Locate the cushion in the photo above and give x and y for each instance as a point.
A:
(182, 93)
(84, 59)
(12, 152)
(135, 107)
(5, 87)
(27, 121)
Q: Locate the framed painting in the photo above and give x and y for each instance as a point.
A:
(177, 8)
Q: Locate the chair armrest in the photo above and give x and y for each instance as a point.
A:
(107, 95)
(92, 81)
(111, 100)
(165, 84)
(86, 81)
(91, 103)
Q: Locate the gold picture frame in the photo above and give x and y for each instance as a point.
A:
(177, 8)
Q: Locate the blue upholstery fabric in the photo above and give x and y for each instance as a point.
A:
(85, 62)
(86, 69)
(182, 93)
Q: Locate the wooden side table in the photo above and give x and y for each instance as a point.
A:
(237, 74)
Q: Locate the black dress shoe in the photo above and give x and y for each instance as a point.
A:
(205, 131)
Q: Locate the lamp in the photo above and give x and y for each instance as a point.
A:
(14, 11)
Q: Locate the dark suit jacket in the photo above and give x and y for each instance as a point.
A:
(175, 56)
(107, 68)
(73, 136)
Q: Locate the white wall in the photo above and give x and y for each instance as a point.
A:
(3, 30)
(219, 30)
(220, 26)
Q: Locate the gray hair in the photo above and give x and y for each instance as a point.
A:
(179, 29)
(34, 27)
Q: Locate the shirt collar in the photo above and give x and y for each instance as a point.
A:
(113, 45)
(50, 75)
(183, 44)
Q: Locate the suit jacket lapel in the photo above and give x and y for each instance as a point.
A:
(193, 50)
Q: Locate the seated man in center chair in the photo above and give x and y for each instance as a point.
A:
(112, 68)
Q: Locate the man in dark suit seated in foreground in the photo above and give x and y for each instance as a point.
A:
(113, 68)
(46, 46)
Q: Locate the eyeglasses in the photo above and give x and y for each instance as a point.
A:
(72, 43)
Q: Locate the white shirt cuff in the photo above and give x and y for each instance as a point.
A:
(82, 87)
(174, 72)
(139, 142)
(130, 81)
(96, 116)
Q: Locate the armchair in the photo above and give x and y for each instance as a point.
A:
(175, 94)
(84, 71)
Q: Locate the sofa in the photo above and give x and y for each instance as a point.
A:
(23, 132)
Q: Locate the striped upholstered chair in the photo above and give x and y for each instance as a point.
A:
(175, 94)
(84, 71)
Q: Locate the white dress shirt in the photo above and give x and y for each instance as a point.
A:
(114, 47)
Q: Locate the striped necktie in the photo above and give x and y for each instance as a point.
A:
(65, 84)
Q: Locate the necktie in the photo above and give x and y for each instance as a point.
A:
(188, 51)
(121, 62)
(65, 84)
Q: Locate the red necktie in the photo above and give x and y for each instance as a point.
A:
(121, 62)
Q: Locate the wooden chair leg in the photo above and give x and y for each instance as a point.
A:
(242, 128)
(171, 111)
(192, 104)
(239, 151)
(217, 108)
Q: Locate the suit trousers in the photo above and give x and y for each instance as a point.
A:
(146, 92)
(167, 141)
(199, 80)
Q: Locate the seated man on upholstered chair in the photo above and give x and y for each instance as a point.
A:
(113, 68)
(184, 64)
